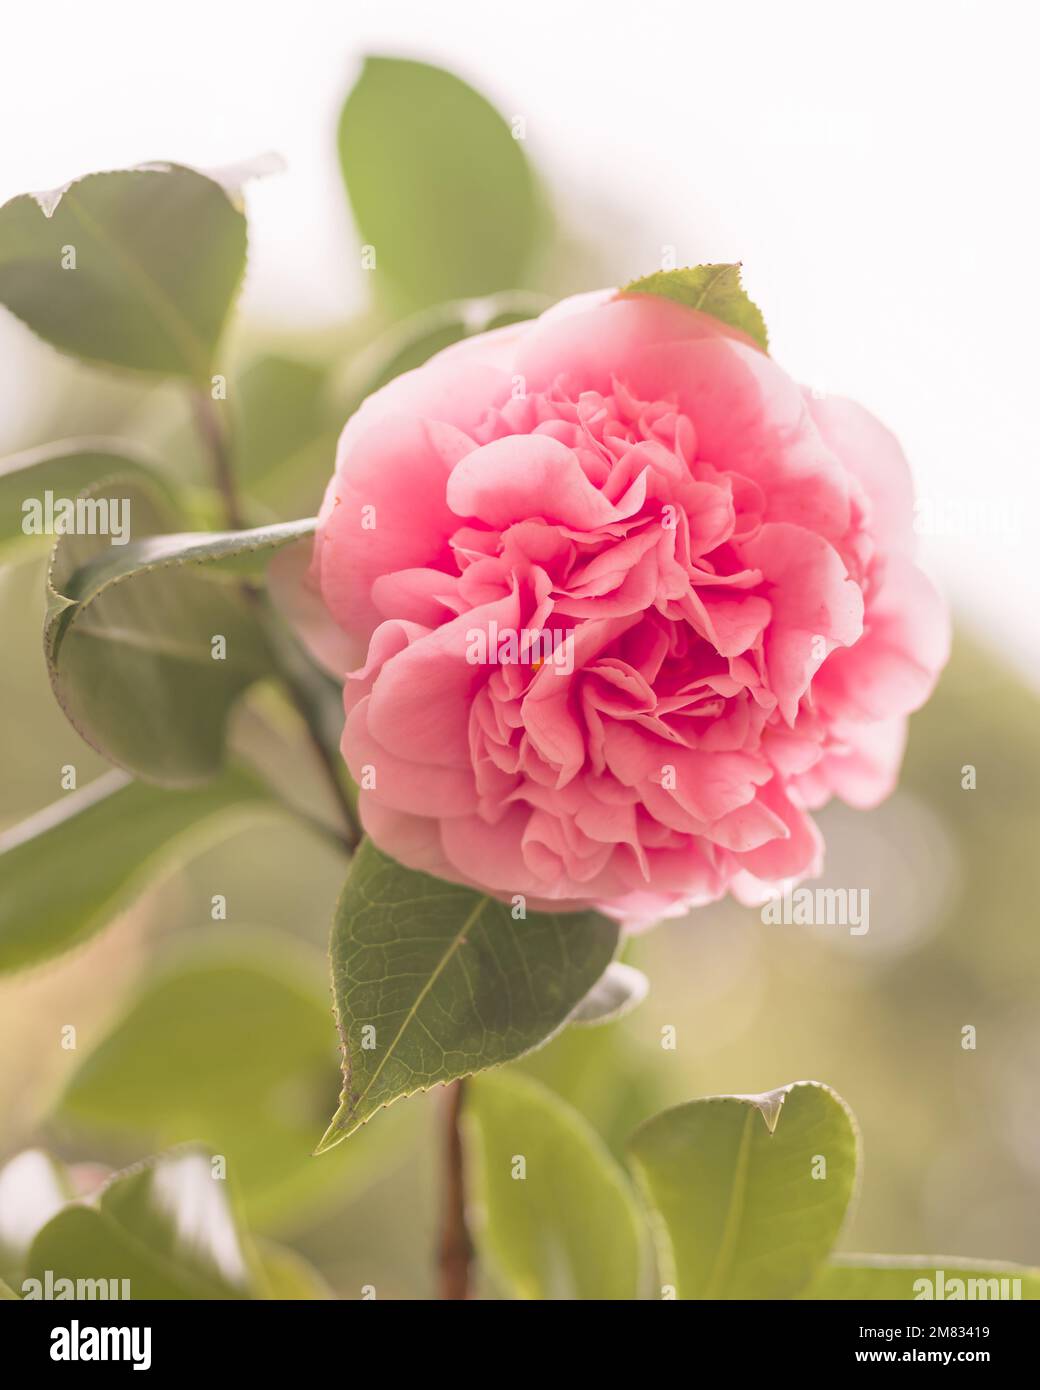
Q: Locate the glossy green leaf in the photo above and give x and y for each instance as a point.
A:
(64, 469)
(229, 1043)
(713, 289)
(107, 840)
(438, 185)
(149, 644)
(7, 1294)
(136, 268)
(620, 989)
(167, 1226)
(559, 1217)
(922, 1277)
(433, 981)
(748, 1193)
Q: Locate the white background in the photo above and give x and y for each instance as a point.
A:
(872, 164)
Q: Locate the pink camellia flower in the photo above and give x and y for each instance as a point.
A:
(625, 605)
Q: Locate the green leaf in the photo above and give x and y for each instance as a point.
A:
(229, 1042)
(130, 633)
(7, 1294)
(734, 1182)
(713, 289)
(237, 553)
(620, 989)
(136, 268)
(433, 981)
(167, 1226)
(612, 1083)
(286, 1275)
(34, 1186)
(71, 868)
(413, 341)
(863, 1277)
(65, 469)
(285, 436)
(566, 1226)
(437, 183)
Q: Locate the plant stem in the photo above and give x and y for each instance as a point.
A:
(351, 837)
(216, 436)
(311, 691)
(455, 1252)
(217, 440)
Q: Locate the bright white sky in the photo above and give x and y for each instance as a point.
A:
(872, 162)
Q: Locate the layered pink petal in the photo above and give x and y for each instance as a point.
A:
(384, 510)
(627, 624)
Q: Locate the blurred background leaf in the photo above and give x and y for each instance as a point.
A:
(34, 1186)
(410, 342)
(558, 1216)
(230, 1042)
(284, 1274)
(439, 186)
(855, 1277)
(65, 468)
(169, 1227)
(69, 869)
(286, 429)
(166, 1226)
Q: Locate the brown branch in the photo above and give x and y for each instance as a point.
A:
(455, 1253)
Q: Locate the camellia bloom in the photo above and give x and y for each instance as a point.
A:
(625, 605)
